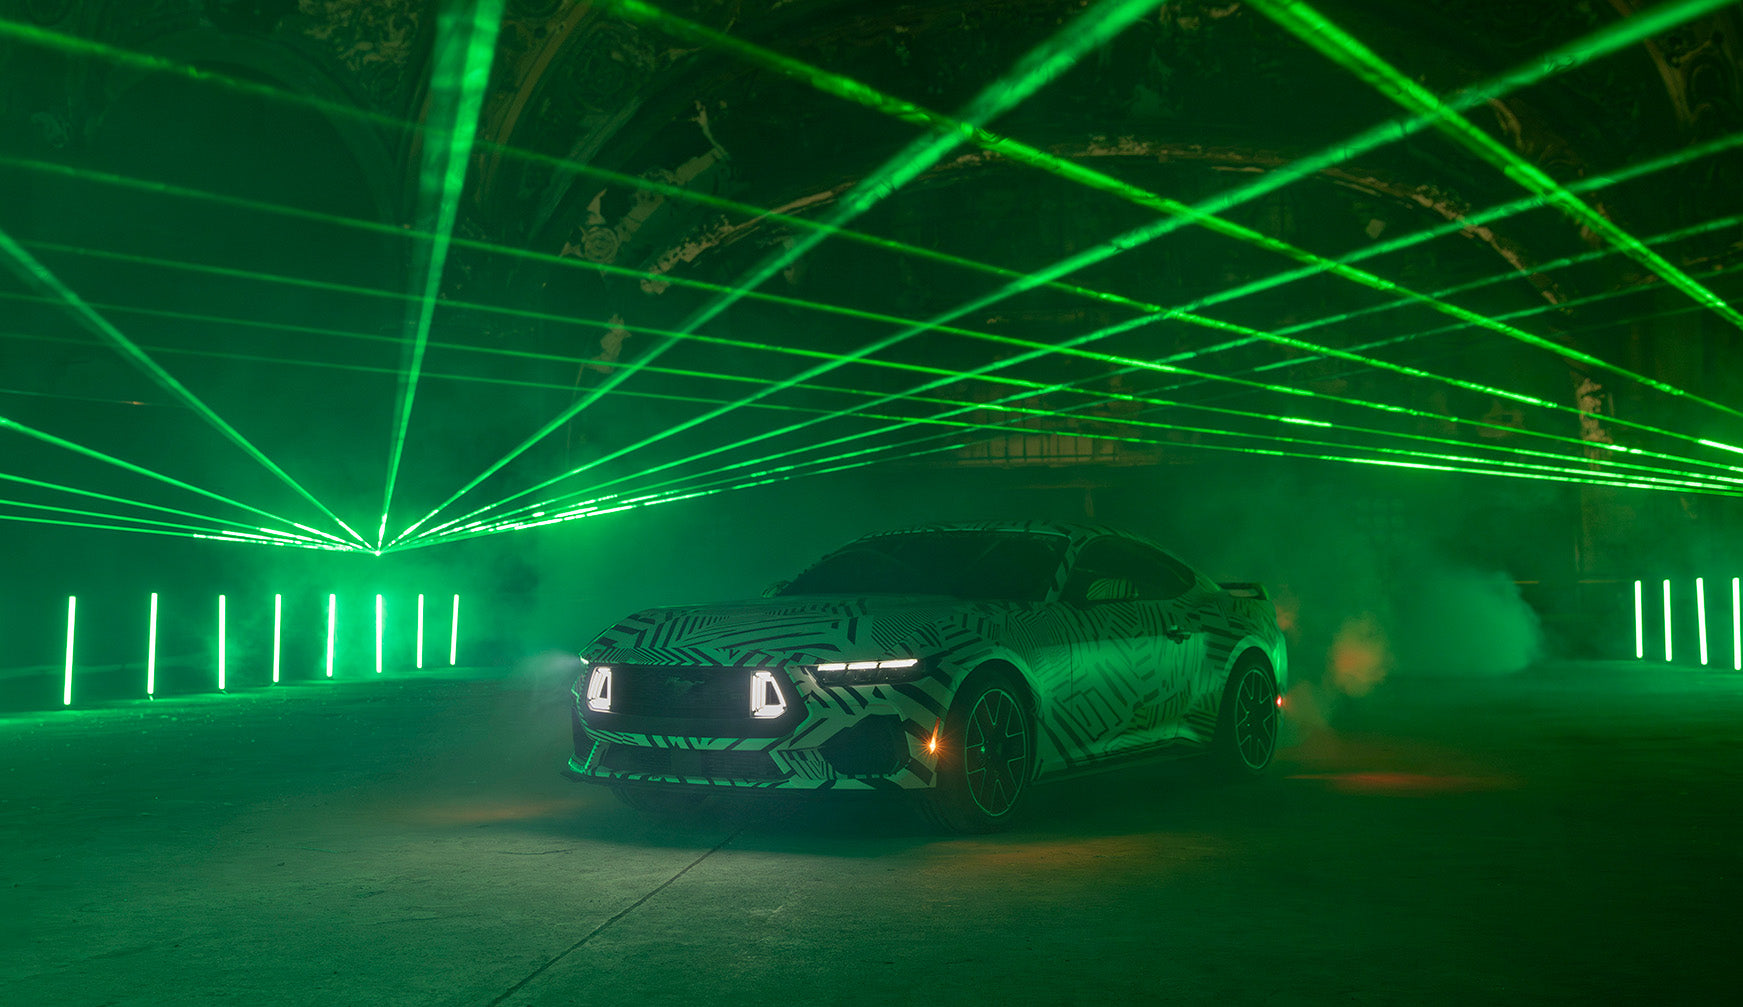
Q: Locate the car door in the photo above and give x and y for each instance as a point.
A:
(1120, 677)
(1182, 666)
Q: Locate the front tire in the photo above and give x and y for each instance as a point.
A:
(1246, 728)
(986, 756)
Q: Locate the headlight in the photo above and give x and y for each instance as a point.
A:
(898, 669)
(766, 700)
(599, 690)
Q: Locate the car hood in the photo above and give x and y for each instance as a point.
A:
(792, 630)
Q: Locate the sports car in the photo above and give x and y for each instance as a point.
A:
(961, 663)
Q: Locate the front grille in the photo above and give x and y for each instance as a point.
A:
(729, 764)
(684, 693)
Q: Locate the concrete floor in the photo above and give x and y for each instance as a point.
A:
(1568, 834)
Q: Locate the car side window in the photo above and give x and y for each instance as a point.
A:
(1153, 574)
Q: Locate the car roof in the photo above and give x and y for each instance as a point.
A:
(1077, 530)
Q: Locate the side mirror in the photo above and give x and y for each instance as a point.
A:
(776, 588)
(1110, 589)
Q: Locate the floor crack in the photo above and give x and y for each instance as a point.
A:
(621, 913)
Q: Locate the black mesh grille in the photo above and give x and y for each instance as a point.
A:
(685, 693)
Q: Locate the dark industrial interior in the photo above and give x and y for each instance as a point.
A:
(361, 360)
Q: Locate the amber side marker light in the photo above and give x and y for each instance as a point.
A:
(932, 742)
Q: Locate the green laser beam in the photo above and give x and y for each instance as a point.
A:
(37, 276)
(1331, 41)
(224, 537)
(93, 494)
(43, 436)
(791, 67)
(1217, 377)
(1479, 219)
(1599, 43)
(932, 324)
(465, 46)
(1393, 463)
(971, 407)
(1038, 67)
(80, 512)
(1029, 386)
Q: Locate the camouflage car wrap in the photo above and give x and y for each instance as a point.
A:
(1106, 681)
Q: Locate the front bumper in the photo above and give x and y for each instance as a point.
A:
(860, 737)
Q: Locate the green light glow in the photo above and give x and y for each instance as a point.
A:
(454, 635)
(151, 650)
(332, 629)
(1701, 615)
(420, 631)
(380, 619)
(1667, 620)
(465, 45)
(277, 627)
(1639, 624)
(37, 276)
(1736, 626)
(220, 643)
(67, 689)
(1328, 39)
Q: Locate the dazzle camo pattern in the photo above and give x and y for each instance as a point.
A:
(1108, 680)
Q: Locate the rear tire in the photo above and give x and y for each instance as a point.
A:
(1246, 727)
(986, 755)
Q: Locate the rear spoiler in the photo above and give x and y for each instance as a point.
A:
(1246, 589)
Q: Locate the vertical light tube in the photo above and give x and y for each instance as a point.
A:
(332, 620)
(220, 643)
(379, 612)
(67, 690)
(277, 627)
(1667, 620)
(454, 635)
(1639, 624)
(1736, 627)
(1701, 615)
(420, 631)
(151, 650)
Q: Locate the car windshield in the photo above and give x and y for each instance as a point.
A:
(994, 566)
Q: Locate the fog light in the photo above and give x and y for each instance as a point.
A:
(766, 700)
(599, 690)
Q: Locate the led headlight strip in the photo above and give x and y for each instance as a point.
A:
(901, 669)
